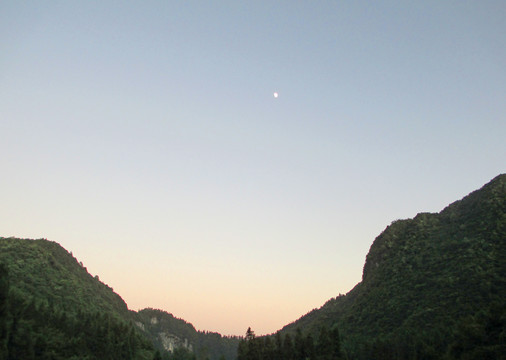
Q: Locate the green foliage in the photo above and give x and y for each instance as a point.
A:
(36, 330)
(429, 286)
(49, 279)
(52, 308)
(159, 325)
(181, 353)
(433, 287)
(157, 355)
(284, 347)
(44, 270)
(482, 336)
(4, 293)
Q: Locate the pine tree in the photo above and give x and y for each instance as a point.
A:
(268, 349)
(278, 346)
(288, 349)
(242, 350)
(157, 355)
(250, 334)
(4, 291)
(335, 343)
(300, 346)
(324, 348)
(310, 348)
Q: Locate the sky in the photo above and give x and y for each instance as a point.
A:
(145, 137)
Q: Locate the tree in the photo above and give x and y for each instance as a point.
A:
(309, 346)
(250, 334)
(242, 350)
(288, 349)
(335, 343)
(324, 347)
(4, 291)
(157, 355)
(300, 346)
(250, 348)
(278, 346)
(269, 349)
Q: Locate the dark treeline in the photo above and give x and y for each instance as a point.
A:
(478, 337)
(299, 346)
(179, 353)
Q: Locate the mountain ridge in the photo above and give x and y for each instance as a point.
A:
(44, 277)
(426, 283)
(428, 274)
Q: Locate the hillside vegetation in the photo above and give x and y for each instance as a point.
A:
(162, 326)
(51, 307)
(432, 287)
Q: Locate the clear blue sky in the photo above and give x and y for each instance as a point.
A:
(145, 137)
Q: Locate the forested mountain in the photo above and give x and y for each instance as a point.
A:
(51, 307)
(432, 287)
(162, 328)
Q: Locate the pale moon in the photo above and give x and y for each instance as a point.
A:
(275, 94)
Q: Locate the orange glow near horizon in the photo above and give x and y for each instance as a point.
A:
(228, 304)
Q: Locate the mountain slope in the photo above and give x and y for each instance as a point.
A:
(50, 304)
(170, 333)
(425, 282)
(433, 287)
(52, 308)
(44, 270)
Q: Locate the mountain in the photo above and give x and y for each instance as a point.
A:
(44, 270)
(170, 333)
(432, 287)
(50, 306)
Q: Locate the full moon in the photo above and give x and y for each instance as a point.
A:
(275, 94)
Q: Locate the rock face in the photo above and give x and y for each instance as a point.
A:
(171, 334)
(167, 332)
(171, 342)
(168, 340)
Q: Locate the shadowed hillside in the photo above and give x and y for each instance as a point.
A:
(432, 286)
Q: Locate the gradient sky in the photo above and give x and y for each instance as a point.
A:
(145, 138)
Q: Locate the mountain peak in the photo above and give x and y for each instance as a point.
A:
(483, 203)
(429, 280)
